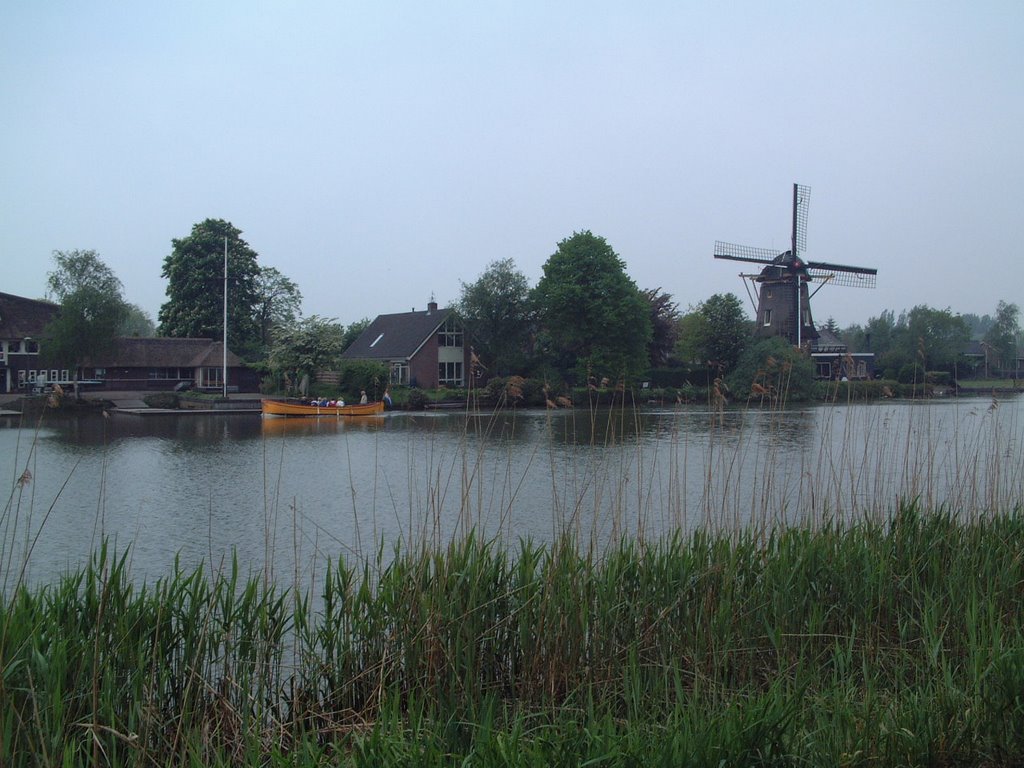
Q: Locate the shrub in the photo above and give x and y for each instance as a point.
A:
(162, 400)
(417, 399)
(361, 375)
(773, 370)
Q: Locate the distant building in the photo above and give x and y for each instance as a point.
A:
(833, 361)
(167, 363)
(131, 364)
(985, 362)
(22, 322)
(425, 349)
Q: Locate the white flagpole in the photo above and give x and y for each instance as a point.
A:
(224, 383)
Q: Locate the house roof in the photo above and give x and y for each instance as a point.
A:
(828, 341)
(397, 336)
(22, 318)
(132, 352)
(976, 348)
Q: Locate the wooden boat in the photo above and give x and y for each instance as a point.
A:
(285, 408)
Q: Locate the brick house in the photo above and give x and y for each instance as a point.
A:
(425, 349)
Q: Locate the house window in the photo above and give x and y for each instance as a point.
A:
(450, 334)
(862, 369)
(824, 370)
(99, 373)
(210, 377)
(449, 374)
(172, 374)
(767, 317)
(399, 373)
(21, 378)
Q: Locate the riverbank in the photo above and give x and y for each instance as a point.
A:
(889, 643)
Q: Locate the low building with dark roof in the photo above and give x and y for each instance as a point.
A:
(425, 349)
(832, 360)
(985, 360)
(22, 322)
(168, 363)
(131, 364)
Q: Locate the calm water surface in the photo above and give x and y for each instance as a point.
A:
(285, 494)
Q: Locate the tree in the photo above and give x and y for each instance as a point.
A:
(934, 338)
(136, 322)
(91, 308)
(353, 332)
(1002, 335)
(723, 331)
(278, 303)
(496, 311)
(978, 325)
(593, 319)
(664, 325)
(80, 270)
(691, 330)
(195, 283)
(311, 345)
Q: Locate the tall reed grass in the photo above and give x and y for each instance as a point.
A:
(897, 643)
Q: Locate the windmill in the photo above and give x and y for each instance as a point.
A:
(783, 301)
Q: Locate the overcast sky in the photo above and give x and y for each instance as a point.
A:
(379, 154)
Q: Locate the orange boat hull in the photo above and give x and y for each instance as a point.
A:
(283, 408)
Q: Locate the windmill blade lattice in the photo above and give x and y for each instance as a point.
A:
(745, 253)
(839, 275)
(801, 205)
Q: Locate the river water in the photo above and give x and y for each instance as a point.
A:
(283, 494)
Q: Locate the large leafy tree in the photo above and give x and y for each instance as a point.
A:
(92, 309)
(594, 320)
(136, 322)
(195, 287)
(1002, 335)
(877, 335)
(715, 333)
(353, 331)
(310, 345)
(496, 310)
(79, 270)
(933, 338)
(665, 319)
(278, 303)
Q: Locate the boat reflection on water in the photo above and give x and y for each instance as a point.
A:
(323, 426)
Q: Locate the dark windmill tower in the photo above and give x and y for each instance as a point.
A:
(783, 299)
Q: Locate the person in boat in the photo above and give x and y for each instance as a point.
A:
(387, 399)
(362, 397)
